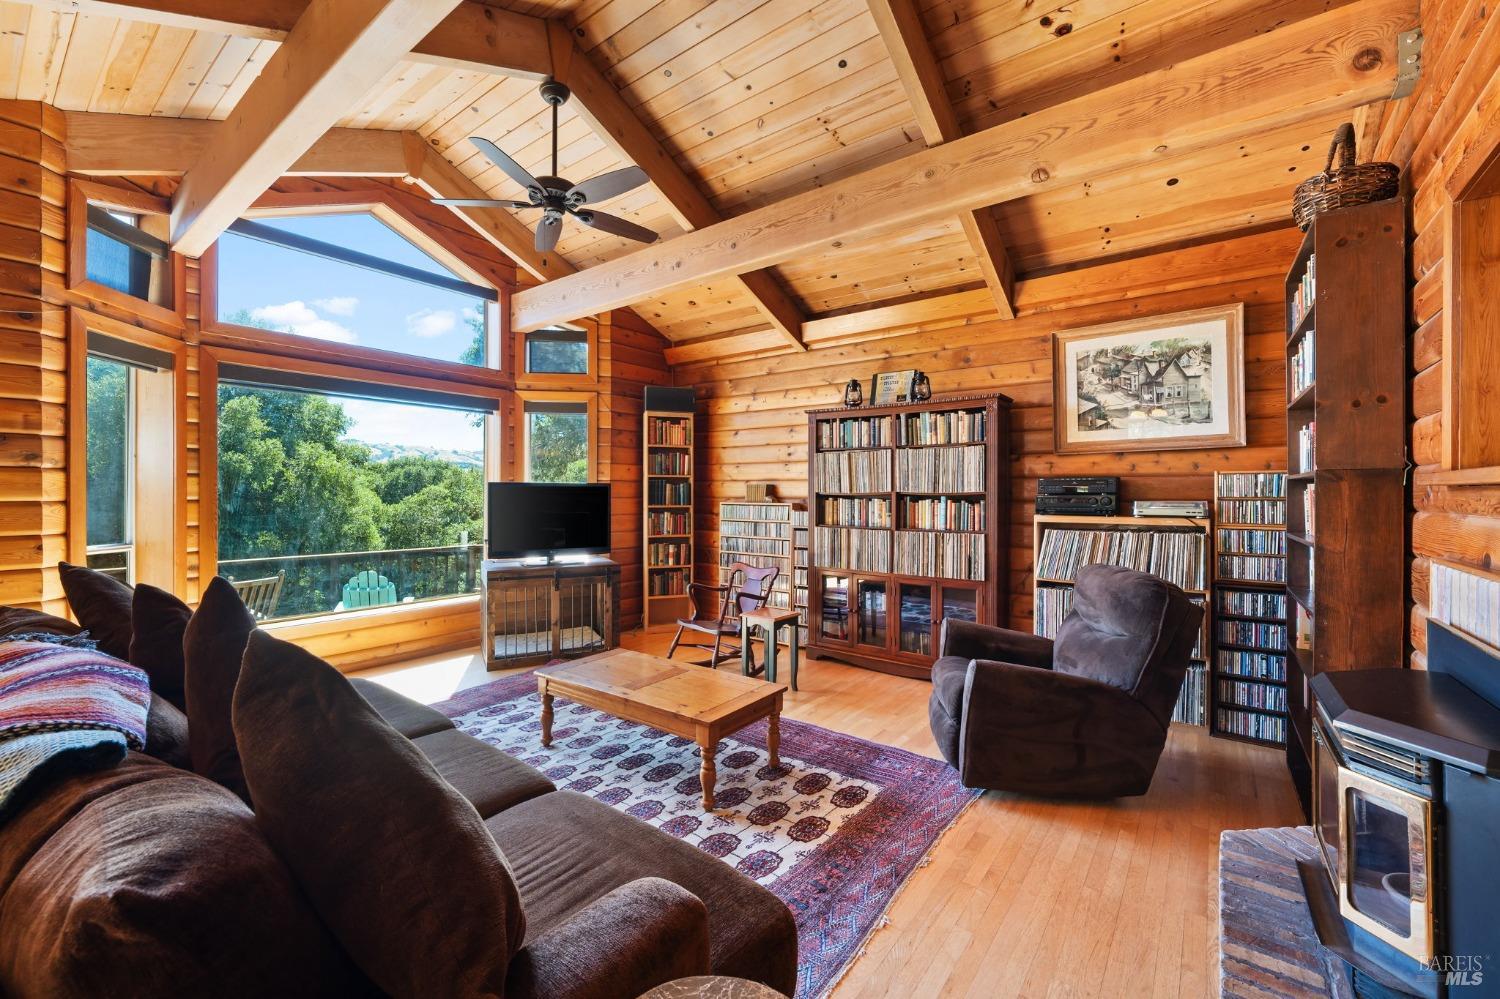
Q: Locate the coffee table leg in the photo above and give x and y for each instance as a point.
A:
(773, 735)
(707, 773)
(546, 719)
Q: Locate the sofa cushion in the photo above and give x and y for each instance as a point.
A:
(945, 708)
(403, 714)
(25, 621)
(148, 881)
(214, 644)
(157, 622)
(1115, 625)
(396, 862)
(567, 850)
(102, 605)
(167, 733)
(492, 781)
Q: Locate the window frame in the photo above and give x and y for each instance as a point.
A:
(589, 400)
(159, 490)
(559, 380)
(82, 194)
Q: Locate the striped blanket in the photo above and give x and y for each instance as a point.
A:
(64, 709)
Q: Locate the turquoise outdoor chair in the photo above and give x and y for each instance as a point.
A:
(368, 588)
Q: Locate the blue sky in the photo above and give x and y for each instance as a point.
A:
(328, 300)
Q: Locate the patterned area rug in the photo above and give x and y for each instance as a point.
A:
(835, 831)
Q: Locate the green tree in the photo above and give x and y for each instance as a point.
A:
(558, 447)
(108, 441)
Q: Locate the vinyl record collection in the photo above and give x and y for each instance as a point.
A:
(853, 471)
(932, 554)
(941, 470)
(758, 534)
(1176, 556)
(851, 548)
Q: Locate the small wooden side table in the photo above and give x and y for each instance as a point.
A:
(769, 620)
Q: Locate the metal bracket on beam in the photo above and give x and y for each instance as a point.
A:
(1408, 62)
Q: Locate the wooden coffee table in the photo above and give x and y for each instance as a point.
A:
(690, 701)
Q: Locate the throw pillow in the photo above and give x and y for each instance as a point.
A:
(167, 733)
(102, 605)
(396, 862)
(158, 620)
(214, 644)
(25, 621)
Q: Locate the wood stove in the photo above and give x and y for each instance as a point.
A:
(1406, 807)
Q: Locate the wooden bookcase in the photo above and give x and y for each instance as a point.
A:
(667, 515)
(1063, 544)
(758, 534)
(879, 582)
(1247, 695)
(1346, 507)
(801, 559)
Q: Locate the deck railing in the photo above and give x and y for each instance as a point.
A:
(315, 584)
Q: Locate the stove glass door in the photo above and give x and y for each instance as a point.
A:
(1387, 841)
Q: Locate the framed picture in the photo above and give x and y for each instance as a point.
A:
(1158, 383)
(891, 387)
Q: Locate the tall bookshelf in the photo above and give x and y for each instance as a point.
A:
(1174, 548)
(1248, 692)
(667, 513)
(909, 524)
(801, 559)
(1347, 452)
(758, 534)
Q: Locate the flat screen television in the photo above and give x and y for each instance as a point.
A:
(548, 518)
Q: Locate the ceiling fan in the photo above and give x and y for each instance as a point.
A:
(558, 197)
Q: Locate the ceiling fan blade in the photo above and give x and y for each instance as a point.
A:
(498, 156)
(482, 203)
(547, 232)
(608, 185)
(616, 226)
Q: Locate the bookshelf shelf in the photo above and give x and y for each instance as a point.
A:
(667, 442)
(764, 534)
(877, 590)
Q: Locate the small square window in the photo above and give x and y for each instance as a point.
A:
(124, 252)
(557, 352)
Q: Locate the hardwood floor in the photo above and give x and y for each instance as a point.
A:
(1025, 897)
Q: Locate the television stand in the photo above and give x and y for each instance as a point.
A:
(535, 612)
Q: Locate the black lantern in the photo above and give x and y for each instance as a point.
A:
(921, 388)
(854, 394)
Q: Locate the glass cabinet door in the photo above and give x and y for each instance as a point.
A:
(961, 603)
(915, 636)
(833, 607)
(872, 628)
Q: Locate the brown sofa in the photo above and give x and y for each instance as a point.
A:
(147, 880)
(1085, 716)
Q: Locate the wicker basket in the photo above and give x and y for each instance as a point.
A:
(1351, 184)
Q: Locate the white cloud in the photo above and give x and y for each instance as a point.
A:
(429, 323)
(390, 423)
(340, 305)
(299, 318)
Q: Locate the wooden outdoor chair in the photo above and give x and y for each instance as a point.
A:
(748, 589)
(261, 595)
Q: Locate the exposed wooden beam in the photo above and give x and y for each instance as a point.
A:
(921, 75)
(142, 146)
(473, 36)
(337, 51)
(1337, 60)
(598, 103)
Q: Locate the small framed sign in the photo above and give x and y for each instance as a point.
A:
(891, 387)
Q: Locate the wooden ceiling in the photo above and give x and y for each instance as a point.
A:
(759, 100)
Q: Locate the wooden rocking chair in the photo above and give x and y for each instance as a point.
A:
(748, 589)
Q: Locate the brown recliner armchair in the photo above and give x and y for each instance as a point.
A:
(1084, 716)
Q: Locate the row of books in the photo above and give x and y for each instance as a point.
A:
(753, 529)
(849, 511)
(757, 546)
(1253, 603)
(850, 548)
(1306, 293)
(1302, 365)
(853, 471)
(1268, 728)
(1253, 485)
(1310, 511)
(942, 513)
(1252, 568)
(669, 433)
(1257, 633)
(660, 492)
(668, 553)
(669, 463)
(660, 522)
(853, 432)
(1251, 542)
(944, 556)
(1190, 707)
(775, 512)
(941, 470)
(952, 427)
(1176, 556)
(1054, 602)
(667, 583)
(1467, 601)
(1269, 512)
(1252, 695)
(1307, 447)
(1258, 665)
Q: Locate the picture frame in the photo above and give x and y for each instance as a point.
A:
(1168, 382)
(888, 388)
